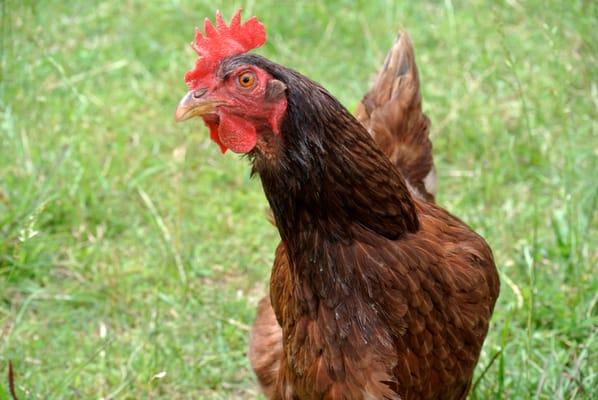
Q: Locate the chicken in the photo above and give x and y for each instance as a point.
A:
(375, 292)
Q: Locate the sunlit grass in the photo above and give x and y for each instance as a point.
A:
(132, 253)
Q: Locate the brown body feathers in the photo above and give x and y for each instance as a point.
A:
(375, 293)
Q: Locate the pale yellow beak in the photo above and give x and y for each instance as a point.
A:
(193, 104)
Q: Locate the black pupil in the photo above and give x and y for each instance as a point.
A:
(246, 79)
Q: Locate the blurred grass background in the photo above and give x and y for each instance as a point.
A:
(132, 254)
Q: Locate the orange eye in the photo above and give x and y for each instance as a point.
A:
(246, 79)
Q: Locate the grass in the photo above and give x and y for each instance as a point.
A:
(132, 253)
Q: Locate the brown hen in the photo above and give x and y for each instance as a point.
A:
(375, 293)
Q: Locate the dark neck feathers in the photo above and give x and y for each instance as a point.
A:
(329, 179)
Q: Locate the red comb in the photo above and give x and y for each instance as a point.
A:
(223, 41)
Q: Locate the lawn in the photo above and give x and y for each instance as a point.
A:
(132, 253)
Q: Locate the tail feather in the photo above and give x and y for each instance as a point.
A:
(391, 111)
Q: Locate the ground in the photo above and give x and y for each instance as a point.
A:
(132, 253)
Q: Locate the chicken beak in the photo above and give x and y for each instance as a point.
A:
(195, 104)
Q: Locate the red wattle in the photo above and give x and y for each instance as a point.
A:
(237, 134)
(214, 135)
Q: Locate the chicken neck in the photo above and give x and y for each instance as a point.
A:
(328, 183)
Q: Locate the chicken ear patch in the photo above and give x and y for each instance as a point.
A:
(236, 134)
(276, 93)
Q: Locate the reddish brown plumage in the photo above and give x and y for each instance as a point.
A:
(375, 293)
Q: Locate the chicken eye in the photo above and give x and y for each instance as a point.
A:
(246, 79)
